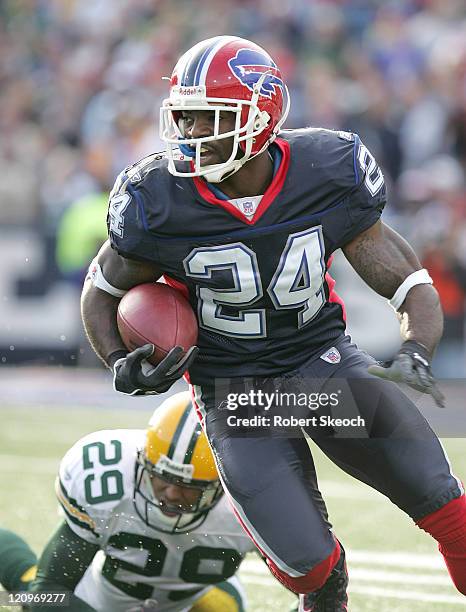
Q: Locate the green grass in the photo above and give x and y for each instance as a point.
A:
(32, 442)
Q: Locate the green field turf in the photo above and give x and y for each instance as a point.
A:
(394, 566)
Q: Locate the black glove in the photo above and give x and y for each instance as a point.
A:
(136, 376)
(412, 366)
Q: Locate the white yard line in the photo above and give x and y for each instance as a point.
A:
(254, 572)
(414, 561)
(256, 568)
(379, 592)
(368, 575)
(397, 559)
(383, 593)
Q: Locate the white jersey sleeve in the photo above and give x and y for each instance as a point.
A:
(95, 475)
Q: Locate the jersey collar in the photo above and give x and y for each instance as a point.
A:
(269, 196)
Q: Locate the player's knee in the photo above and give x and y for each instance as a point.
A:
(312, 579)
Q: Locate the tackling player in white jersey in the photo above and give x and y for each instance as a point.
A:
(146, 522)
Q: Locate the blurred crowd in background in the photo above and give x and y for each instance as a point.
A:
(81, 84)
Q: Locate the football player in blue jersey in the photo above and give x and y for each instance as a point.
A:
(244, 217)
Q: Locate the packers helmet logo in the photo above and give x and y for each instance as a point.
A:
(249, 66)
(177, 451)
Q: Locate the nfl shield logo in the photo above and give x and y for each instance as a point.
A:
(331, 356)
(248, 208)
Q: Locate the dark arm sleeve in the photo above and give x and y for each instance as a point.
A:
(62, 565)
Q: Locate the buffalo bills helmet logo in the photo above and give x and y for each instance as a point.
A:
(248, 66)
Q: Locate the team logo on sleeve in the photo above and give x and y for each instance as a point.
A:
(248, 66)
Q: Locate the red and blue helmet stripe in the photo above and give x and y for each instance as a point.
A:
(198, 61)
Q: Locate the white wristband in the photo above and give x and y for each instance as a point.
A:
(420, 277)
(98, 280)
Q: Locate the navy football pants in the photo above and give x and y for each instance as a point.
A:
(271, 478)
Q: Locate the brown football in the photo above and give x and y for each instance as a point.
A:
(156, 313)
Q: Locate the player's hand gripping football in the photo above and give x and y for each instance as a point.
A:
(411, 365)
(136, 376)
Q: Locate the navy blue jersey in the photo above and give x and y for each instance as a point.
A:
(260, 286)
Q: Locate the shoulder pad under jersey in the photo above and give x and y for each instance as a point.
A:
(136, 173)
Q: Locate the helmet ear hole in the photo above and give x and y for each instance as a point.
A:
(265, 117)
(261, 121)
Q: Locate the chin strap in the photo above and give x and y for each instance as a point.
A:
(218, 173)
(187, 150)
